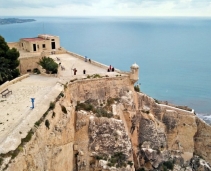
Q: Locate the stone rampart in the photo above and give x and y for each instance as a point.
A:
(99, 88)
(13, 45)
(95, 62)
(6, 84)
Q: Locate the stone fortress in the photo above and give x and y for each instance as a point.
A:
(93, 121)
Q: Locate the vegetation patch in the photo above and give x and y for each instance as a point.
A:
(137, 88)
(52, 106)
(118, 160)
(49, 65)
(99, 109)
(94, 76)
(36, 71)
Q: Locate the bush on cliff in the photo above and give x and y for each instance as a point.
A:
(49, 65)
(137, 88)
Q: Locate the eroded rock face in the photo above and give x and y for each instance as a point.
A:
(146, 136)
(108, 136)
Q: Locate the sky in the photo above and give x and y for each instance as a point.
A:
(105, 8)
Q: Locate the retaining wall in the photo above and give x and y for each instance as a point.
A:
(6, 84)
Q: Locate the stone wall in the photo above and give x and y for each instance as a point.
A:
(13, 45)
(6, 84)
(28, 63)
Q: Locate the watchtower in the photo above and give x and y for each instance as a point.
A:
(134, 73)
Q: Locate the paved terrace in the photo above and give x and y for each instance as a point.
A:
(16, 116)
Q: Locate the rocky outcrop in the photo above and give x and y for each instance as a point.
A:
(108, 136)
(137, 133)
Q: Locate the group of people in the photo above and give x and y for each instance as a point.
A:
(86, 59)
(75, 71)
(110, 69)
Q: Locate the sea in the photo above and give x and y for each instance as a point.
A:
(173, 53)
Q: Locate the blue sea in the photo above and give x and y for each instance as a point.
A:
(174, 54)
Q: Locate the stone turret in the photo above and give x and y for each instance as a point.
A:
(134, 73)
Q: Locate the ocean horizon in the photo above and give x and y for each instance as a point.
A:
(173, 53)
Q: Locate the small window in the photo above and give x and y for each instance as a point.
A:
(52, 39)
(43, 45)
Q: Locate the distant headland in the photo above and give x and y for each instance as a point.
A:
(4, 21)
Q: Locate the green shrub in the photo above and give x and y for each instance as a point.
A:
(36, 70)
(28, 137)
(84, 106)
(48, 64)
(52, 106)
(130, 162)
(169, 164)
(61, 94)
(98, 157)
(141, 169)
(157, 101)
(137, 88)
(64, 109)
(96, 76)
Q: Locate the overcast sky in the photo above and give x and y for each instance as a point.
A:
(105, 7)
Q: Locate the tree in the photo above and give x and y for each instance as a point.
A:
(8, 62)
(48, 64)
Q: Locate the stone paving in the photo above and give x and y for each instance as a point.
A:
(69, 63)
(15, 108)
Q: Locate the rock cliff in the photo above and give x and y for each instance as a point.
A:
(103, 124)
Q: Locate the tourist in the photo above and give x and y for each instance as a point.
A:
(85, 58)
(89, 60)
(84, 71)
(74, 70)
(110, 67)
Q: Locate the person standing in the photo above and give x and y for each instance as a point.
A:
(74, 70)
(84, 71)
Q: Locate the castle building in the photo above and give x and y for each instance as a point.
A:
(39, 44)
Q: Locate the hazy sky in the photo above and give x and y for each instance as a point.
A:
(105, 7)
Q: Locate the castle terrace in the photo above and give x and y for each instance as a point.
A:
(17, 117)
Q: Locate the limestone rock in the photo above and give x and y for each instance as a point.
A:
(107, 136)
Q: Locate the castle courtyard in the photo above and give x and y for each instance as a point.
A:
(16, 114)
